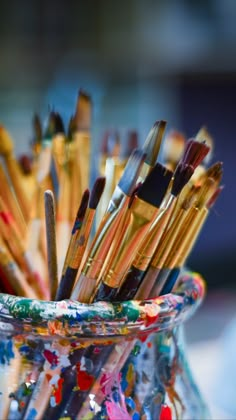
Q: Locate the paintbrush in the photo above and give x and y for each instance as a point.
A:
(203, 135)
(142, 212)
(18, 249)
(13, 275)
(65, 286)
(80, 127)
(50, 218)
(183, 233)
(36, 242)
(11, 203)
(36, 142)
(82, 236)
(151, 147)
(112, 170)
(14, 172)
(100, 245)
(193, 154)
(144, 255)
(196, 228)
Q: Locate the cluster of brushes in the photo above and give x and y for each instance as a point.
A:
(145, 228)
(143, 237)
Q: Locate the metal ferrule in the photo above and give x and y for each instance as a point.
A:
(141, 216)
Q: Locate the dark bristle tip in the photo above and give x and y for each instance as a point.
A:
(83, 204)
(84, 94)
(59, 125)
(131, 171)
(155, 185)
(97, 192)
(214, 197)
(195, 152)
(182, 175)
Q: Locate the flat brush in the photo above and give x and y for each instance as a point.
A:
(101, 243)
(50, 218)
(142, 212)
(82, 236)
(151, 147)
(65, 287)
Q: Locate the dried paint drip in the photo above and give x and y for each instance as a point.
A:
(60, 347)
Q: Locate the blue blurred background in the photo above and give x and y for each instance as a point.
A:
(141, 61)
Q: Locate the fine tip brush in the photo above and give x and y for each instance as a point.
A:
(100, 245)
(82, 236)
(65, 287)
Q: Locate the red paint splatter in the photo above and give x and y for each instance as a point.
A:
(57, 391)
(51, 357)
(165, 413)
(84, 380)
(149, 344)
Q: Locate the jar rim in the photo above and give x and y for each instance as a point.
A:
(69, 317)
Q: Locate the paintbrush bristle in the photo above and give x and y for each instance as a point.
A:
(210, 203)
(37, 128)
(204, 135)
(194, 153)
(173, 147)
(205, 192)
(191, 197)
(82, 115)
(6, 143)
(215, 171)
(131, 172)
(153, 141)
(155, 185)
(182, 175)
(59, 125)
(97, 192)
(50, 129)
(83, 204)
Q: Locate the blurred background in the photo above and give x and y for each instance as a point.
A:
(141, 61)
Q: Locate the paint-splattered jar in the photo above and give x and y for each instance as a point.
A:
(66, 360)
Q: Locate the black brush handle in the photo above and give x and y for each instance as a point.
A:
(66, 284)
(106, 293)
(131, 284)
